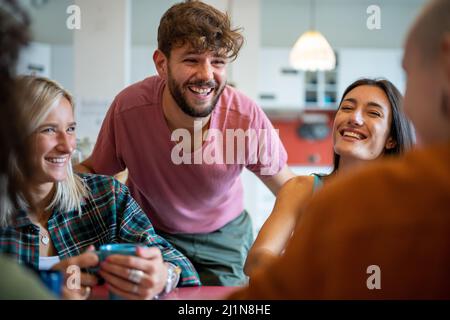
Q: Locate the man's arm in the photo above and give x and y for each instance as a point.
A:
(275, 182)
(87, 167)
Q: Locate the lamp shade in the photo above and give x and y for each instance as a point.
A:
(312, 52)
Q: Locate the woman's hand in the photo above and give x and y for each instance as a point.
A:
(71, 289)
(135, 277)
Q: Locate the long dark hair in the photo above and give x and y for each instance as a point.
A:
(14, 34)
(401, 130)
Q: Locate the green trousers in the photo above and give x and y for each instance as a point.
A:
(218, 256)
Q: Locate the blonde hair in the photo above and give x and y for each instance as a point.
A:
(40, 97)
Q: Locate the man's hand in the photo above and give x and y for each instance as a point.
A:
(136, 277)
(84, 167)
(85, 260)
(275, 182)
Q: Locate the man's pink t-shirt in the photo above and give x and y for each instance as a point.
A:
(199, 195)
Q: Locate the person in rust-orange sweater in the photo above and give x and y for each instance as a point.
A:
(384, 231)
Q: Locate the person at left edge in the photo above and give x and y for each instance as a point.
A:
(16, 282)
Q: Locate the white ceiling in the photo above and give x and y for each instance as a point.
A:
(342, 21)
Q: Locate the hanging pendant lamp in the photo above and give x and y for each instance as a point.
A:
(312, 51)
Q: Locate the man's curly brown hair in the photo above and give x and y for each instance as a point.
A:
(201, 26)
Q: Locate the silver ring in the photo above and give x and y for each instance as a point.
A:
(135, 275)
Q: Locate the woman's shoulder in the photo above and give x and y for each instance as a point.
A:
(300, 181)
(92, 178)
(298, 184)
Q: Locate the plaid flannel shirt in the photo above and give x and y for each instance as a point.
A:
(110, 215)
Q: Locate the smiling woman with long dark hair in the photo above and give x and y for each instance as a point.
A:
(368, 125)
(400, 127)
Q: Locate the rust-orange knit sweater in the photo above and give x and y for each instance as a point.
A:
(394, 214)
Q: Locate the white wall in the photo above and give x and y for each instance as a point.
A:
(246, 14)
(35, 59)
(145, 20)
(49, 21)
(102, 48)
(373, 63)
(142, 65)
(62, 65)
(63, 68)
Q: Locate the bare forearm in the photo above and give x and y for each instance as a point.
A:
(278, 228)
(271, 240)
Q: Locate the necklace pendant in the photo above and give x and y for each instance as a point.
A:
(45, 240)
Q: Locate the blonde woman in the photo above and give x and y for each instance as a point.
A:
(74, 213)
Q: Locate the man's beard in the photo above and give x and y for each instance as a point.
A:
(177, 95)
